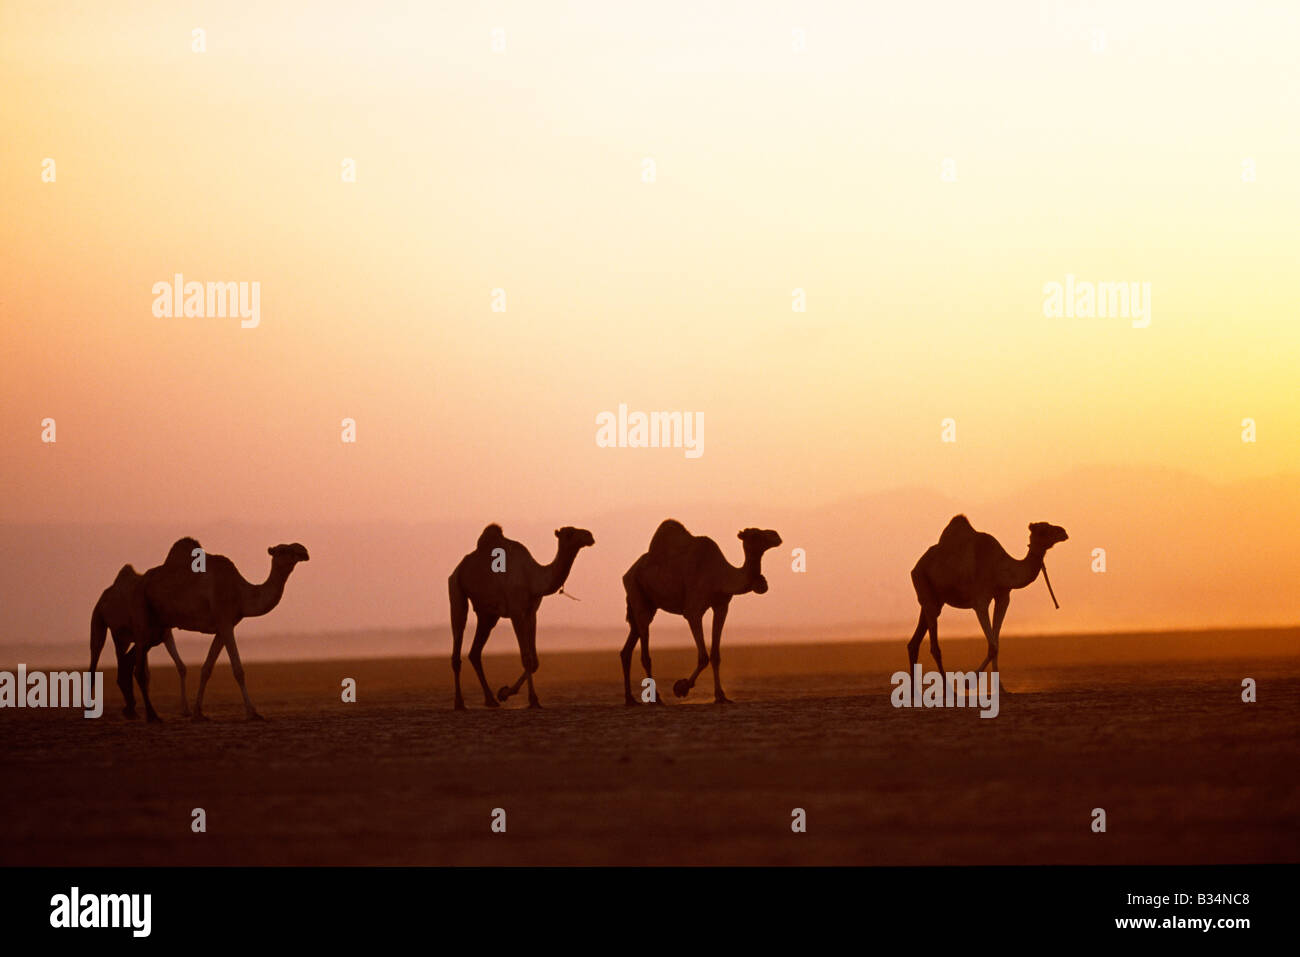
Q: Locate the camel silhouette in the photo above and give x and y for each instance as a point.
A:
(969, 569)
(211, 602)
(506, 584)
(113, 613)
(687, 575)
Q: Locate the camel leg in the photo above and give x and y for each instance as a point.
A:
(982, 614)
(125, 666)
(459, 616)
(509, 691)
(682, 687)
(625, 658)
(914, 646)
(1000, 604)
(205, 673)
(97, 646)
(457, 636)
(530, 631)
(991, 633)
(125, 669)
(170, 644)
(988, 637)
(142, 678)
(715, 652)
(505, 692)
(526, 632)
(638, 630)
(932, 624)
(237, 667)
(482, 629)
(645, 662)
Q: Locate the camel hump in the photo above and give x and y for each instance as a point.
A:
(958, 527)
(125, 573)
(490, 537)
(669, 533)
(182, 550)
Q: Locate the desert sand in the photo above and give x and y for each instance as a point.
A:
(1150, 727)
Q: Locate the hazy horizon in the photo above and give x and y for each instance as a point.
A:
(380, 578)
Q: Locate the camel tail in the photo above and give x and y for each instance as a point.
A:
(98, 634)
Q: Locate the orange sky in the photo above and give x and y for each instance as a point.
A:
(522, 170)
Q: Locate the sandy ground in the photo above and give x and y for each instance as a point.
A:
(1149, 727)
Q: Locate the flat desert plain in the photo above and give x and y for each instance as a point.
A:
(1150, 727)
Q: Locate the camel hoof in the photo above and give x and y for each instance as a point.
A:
(490, 703)
(681, 687)
(722, 699)
(631, 702)
(129, 713)
(154, 719)
(458, 706)
(199, 716)
(503, 693)
(254, 716)
(535, 704)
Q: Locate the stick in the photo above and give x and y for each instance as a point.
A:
(1049, 586)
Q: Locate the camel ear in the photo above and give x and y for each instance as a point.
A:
(270, 551)
(740, 534)
(557, 533)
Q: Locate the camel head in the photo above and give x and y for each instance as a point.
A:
(287, 555)
(574, 538)
(756, 542)
(1043, 535)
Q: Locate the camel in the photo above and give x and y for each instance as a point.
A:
(113, 613)
(687, 575)
(506, 584)
(212, 602)
(969, 569)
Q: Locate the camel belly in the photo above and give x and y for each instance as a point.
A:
(495, 606)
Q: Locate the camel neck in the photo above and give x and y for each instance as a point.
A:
(1025, 570)
(556, 573)
(260, 599)
(748, 572)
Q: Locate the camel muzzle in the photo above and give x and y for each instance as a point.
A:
(760, 585)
